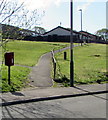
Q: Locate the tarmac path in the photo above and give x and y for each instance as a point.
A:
(40, 75)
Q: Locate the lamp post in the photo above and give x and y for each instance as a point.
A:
(71, 46)
(81, 18)
(81, 26)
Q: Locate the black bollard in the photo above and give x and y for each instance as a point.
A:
(65, 56)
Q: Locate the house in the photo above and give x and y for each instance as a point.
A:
(88, 37)
(60, 34)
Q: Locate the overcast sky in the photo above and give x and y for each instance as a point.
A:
(58, 11)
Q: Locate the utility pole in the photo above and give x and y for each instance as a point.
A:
(71, 46)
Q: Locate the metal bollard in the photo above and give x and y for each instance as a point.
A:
(65, 55)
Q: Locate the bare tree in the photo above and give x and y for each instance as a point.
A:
(16, 18)
(7, 10)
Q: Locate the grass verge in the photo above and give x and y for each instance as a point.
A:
(89, 65)
(18, 78)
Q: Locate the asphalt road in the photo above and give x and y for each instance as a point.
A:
(92, 106)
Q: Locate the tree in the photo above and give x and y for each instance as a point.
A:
(16, 17)
(7, 10)
(103, 33)
(39, 30)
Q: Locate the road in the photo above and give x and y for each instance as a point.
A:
(90, 106)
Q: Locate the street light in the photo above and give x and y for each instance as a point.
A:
(71, 46)
(81, 18)
(81, 26)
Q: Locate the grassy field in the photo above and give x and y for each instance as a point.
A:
(89, 65)
(26, 53)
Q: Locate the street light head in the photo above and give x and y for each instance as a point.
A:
(80, 9)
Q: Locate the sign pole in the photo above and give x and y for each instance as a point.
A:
(71, 47)
(9, 75)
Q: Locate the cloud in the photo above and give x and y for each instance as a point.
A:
(38, 4)
(87, 3)
(41, 4)
(85, 6)
(44, 4)
(57, 2)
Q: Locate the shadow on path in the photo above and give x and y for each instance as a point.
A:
(93, 93)
(85, 93)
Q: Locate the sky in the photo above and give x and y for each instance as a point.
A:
(58, 11)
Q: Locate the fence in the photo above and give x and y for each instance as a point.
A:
(54, 63)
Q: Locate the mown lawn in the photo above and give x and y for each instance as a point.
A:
(26, 53)
(89, 65)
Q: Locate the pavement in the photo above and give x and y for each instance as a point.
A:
(50, 93)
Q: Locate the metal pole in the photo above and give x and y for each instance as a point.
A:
(9, 75)
(71, 47)
(81, 18)
(81, 26)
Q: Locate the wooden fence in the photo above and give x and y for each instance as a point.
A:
(54, 63)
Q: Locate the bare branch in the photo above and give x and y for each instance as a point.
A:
(1, 3)
(4, 5)
(13, 12)
(1, 45)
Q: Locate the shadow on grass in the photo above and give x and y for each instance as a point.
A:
(66, 82)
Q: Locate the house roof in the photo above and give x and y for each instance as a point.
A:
(67, 29)
(87, 34)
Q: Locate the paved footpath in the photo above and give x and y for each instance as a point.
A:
(40, 75)
(37, 94)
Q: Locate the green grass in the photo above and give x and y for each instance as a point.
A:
(18, 78)
(89, 64)
(26, 53)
